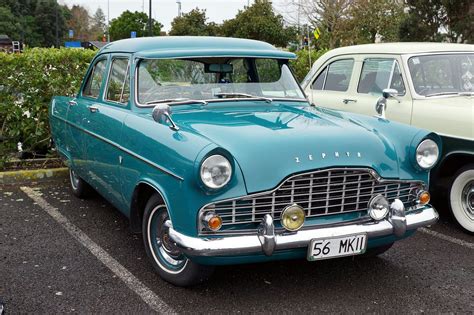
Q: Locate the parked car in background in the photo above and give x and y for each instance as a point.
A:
(212, 150)
(428, 85)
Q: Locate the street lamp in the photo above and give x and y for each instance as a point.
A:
(108, 21)
(178, 2)
(150, 27)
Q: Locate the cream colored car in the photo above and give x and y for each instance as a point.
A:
(434, 85)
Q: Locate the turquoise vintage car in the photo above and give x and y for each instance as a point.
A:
(211, 149)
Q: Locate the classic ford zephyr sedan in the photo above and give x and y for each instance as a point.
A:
(210, 148)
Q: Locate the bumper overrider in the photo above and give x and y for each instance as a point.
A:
(267, 241)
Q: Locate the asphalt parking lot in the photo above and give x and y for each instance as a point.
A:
(61, 254)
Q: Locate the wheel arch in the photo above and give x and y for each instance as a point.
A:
(144, 189)
(453, 162)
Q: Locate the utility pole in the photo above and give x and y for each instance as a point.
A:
(150, 26)
(108, 21)
(178, 2)
(57, 26)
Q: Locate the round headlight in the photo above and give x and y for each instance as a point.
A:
(216, 171)
(427, 154)
(292, 217)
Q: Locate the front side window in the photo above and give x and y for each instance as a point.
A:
(213, 78)
(94, 81)
(118, 86)
(335, 77)
(379, 74)
(442, 74)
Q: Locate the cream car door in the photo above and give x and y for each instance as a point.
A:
(331, 85)
(376, 74)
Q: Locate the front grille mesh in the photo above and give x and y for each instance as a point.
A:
(320, 193)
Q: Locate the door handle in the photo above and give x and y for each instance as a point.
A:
(93, 109)
(347, 100)
(72, 103)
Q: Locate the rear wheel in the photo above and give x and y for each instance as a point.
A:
(167, 259)
(461, 197)
(79, 187)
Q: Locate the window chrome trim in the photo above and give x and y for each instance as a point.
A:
(391, 74)
(141, 105)
(104, 96)
(90, 73)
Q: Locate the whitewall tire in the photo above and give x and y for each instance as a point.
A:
(461, 197)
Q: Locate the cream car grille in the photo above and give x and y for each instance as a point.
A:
(320, 193)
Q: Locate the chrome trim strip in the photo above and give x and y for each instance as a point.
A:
(251, 244)
(121, 148)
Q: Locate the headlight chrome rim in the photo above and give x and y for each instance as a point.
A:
(424, 158)
(215, 163)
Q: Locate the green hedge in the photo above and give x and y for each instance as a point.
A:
(301, 65)
(28, 81)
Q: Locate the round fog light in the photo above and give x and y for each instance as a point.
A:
(292, 217)
(212, 221)
(423, 197)
(378, 207)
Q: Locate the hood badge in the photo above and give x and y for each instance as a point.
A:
(324, 155)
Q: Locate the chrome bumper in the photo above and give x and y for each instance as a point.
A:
(266, 241)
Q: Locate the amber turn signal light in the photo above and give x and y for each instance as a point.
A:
(212, 221)
(423, 197)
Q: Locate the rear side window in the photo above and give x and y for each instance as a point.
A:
(379, 74)
(94, 81)
(118, 86)
(335, 77)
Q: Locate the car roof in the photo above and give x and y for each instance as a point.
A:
(195, 46)
(401, 48)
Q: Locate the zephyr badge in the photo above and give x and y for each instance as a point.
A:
(312, 157)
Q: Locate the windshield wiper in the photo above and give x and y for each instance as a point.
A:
(177, 101)
(234, 95)
(451, 93)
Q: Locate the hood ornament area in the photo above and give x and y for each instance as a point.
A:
(312, 157)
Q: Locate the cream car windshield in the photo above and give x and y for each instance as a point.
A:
(442, 74)
(162, 80)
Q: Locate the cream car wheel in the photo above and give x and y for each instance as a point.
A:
(462, 198)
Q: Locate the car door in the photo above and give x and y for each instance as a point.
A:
(331, 86)
(376, 74)
(104, 123)
(77, 114)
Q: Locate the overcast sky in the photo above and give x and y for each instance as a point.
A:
(165, 10)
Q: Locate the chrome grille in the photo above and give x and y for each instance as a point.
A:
(320, 193)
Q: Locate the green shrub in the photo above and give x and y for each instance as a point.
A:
(28, 81)
(301, 65)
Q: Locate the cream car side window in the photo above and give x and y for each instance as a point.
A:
(335, 77)
(379, 74)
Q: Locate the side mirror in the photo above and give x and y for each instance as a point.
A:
(162, 114)
(381, 105)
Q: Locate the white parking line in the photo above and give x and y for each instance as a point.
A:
(150, 298)
(447, 238)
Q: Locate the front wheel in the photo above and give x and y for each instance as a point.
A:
(461, 197)
(166, 258)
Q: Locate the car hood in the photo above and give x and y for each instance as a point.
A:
(272, 141)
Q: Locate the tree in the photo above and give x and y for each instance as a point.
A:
(127, 22)
(372, 18)
(460, 20)
(423, 21)
(193, 23)
(9, 24)
(332, 18)
(98, 27)
(260, 22)
(48, 15)
(79, 22)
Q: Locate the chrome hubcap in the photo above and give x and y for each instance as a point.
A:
(74, 179)
(467, 199)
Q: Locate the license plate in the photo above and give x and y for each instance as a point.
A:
(337, 247)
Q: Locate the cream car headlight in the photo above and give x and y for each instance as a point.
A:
(216, 171)
(427, 154)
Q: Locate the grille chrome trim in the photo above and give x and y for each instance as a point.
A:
(352, 187)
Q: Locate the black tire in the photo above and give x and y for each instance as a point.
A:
(79, 187)
(461, 198)
(176, 269)
(376, 251)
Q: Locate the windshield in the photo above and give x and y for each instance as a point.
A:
(213, 78)
(442, 74)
